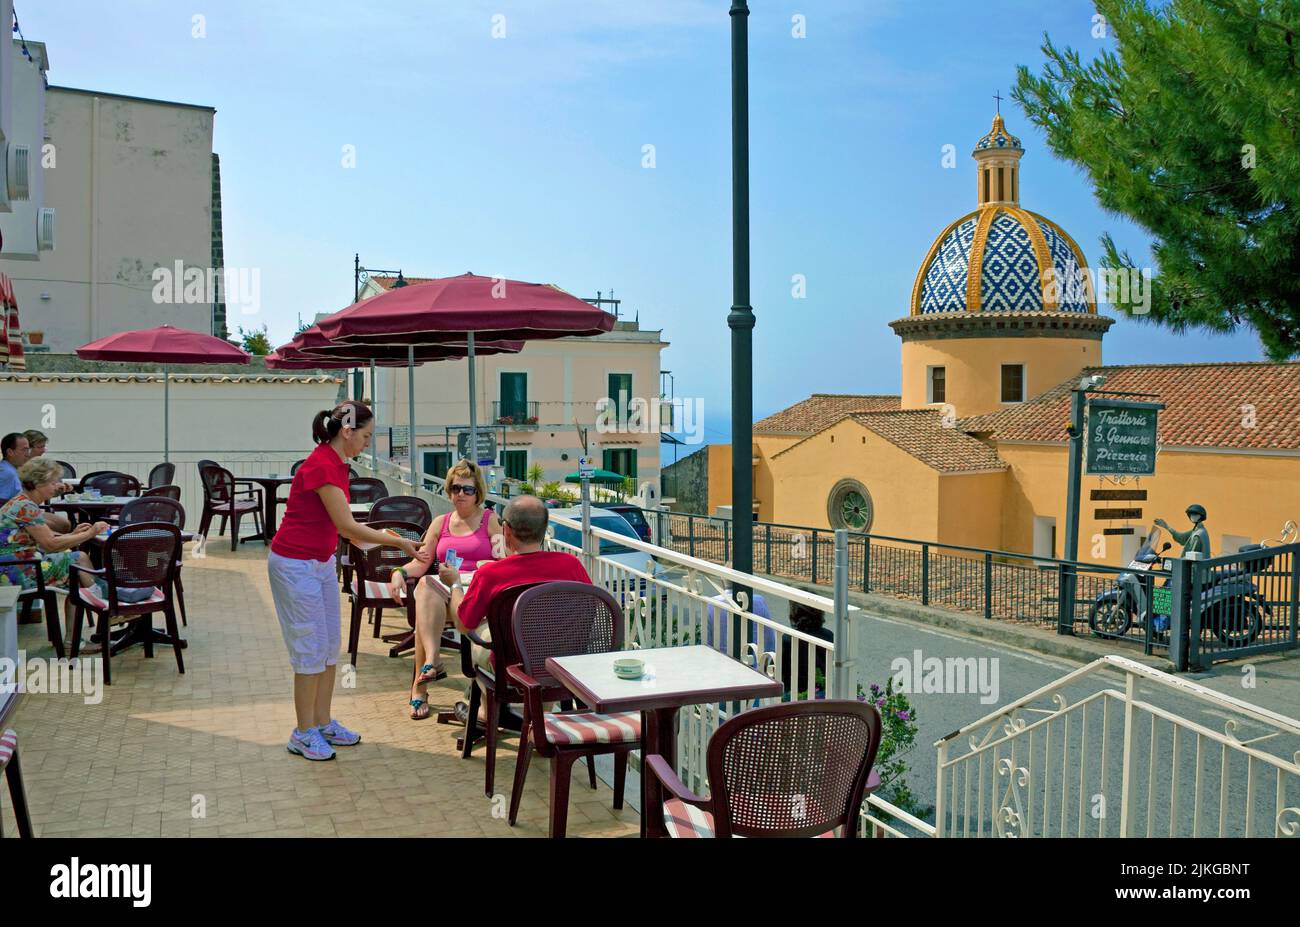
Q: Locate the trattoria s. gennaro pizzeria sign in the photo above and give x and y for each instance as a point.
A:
(1121, 438)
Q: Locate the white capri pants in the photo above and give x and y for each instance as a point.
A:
(306, 596)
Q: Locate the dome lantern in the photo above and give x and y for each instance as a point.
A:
(997, 159)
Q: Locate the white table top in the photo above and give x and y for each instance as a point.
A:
(360, 507)
(673, 676)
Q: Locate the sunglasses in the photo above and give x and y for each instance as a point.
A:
(456, 488)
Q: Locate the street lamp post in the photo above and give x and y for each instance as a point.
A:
(360, 273)
(741, 317)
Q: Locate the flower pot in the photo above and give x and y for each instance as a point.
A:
(36, 337)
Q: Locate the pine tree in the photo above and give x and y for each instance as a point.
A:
(1190, 127)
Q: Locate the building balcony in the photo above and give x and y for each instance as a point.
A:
(521, 416)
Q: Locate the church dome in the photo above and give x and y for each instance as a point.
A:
(1002, 258)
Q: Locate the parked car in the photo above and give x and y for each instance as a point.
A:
(612, 550)
(635, 517)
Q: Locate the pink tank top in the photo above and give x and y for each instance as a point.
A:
(469, 547)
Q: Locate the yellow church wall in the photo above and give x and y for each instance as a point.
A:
(904, 491)
(1246, 496)
(768, 447)
(973, 368)
(719, 476)
(970, 509)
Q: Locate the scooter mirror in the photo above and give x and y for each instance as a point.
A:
(1166, 547)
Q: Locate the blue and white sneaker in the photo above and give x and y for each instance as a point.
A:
(310, 745)
(336, 734)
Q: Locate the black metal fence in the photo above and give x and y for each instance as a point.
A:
(1009, 586)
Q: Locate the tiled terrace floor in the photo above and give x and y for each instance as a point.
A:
(139, 763)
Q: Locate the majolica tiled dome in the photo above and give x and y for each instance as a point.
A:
(1011, 249)
(1001, 258)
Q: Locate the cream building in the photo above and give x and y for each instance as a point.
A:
(535, 401)
(136, 189)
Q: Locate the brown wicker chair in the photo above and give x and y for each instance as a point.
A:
(167, 492)
(136, 556)
(111, 483)
(69, 471)
(369, 585)
(499, 694)
(163, 474)
(223, 498)
(361, 490)
(403, 508)
(38, 593)
(154, 505)
(13, 773)
(562, 619)
(795, 770)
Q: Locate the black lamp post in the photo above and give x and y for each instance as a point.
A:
(741, 317)
(359, 274)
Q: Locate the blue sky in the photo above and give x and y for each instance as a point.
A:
(522, 156)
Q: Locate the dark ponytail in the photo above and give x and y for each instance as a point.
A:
(327, 424)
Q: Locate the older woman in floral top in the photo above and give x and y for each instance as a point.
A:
(24, 534)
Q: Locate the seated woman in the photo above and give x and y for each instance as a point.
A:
(475, 535)
(25, 532)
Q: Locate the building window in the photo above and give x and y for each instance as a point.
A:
(620, 460)
(1001, 187)
(850, 506)
(515, 464)
(938, 385)
(986, 184)
(514, 396)
(436, 463)
(1013, 382)
(620, 392)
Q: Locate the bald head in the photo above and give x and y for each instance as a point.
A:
(527, 517)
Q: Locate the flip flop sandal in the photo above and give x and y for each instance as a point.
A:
(424, 677)
(416, 705)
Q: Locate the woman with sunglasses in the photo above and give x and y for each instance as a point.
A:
(475, 535)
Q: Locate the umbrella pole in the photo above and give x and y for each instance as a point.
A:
(473, 406)
(167, 418)
(410, 413)
(374, 403)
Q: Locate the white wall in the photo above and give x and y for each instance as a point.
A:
(95, 422)
(28, 125)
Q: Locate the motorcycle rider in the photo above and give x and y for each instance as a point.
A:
(1195, 538)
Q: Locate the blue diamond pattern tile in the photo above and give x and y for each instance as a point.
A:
(944, 289)
(1010, 281)
(1073, 294)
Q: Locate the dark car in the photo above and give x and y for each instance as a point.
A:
(632, 514)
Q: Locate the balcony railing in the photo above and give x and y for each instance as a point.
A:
(518, 415)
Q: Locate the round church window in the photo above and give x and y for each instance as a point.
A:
(850, 506)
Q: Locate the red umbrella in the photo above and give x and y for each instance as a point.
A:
(451, 309)
(164, 345)
(311, 343)
(11, 335)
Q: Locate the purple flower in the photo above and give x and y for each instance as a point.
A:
(874, 688)
(880, 703)
(905, 715)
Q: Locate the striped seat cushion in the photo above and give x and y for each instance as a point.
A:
(588, 727)
(8, 744)
(374, 590)
(683, 820)
(90, 595)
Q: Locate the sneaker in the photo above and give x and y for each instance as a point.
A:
(310, 744)
(339, 736)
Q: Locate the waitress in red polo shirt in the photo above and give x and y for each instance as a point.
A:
(303, 580)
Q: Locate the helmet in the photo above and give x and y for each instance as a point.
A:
(1196, 509)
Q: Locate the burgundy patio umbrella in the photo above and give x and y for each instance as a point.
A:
(164, 345)
(311, 343)
(454, 309)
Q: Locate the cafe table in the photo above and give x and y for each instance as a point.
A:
(674, 677)
(270, 502)
(91, 509)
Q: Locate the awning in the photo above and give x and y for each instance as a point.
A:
(11, 333)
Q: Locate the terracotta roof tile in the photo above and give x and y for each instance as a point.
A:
(820, 410)
(387, 282)
(923, 434)
(1253, 406)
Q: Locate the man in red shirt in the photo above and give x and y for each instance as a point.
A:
(523, 526)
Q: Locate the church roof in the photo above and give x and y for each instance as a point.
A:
(1247, 406)
(820, 410)
(923, 434)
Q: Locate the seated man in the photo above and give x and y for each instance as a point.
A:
(16, 452)
(523, 526)
(723, 618)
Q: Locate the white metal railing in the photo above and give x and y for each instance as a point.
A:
(1080, 757)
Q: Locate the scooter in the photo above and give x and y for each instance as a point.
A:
(1230, 606)
(1116, 609)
